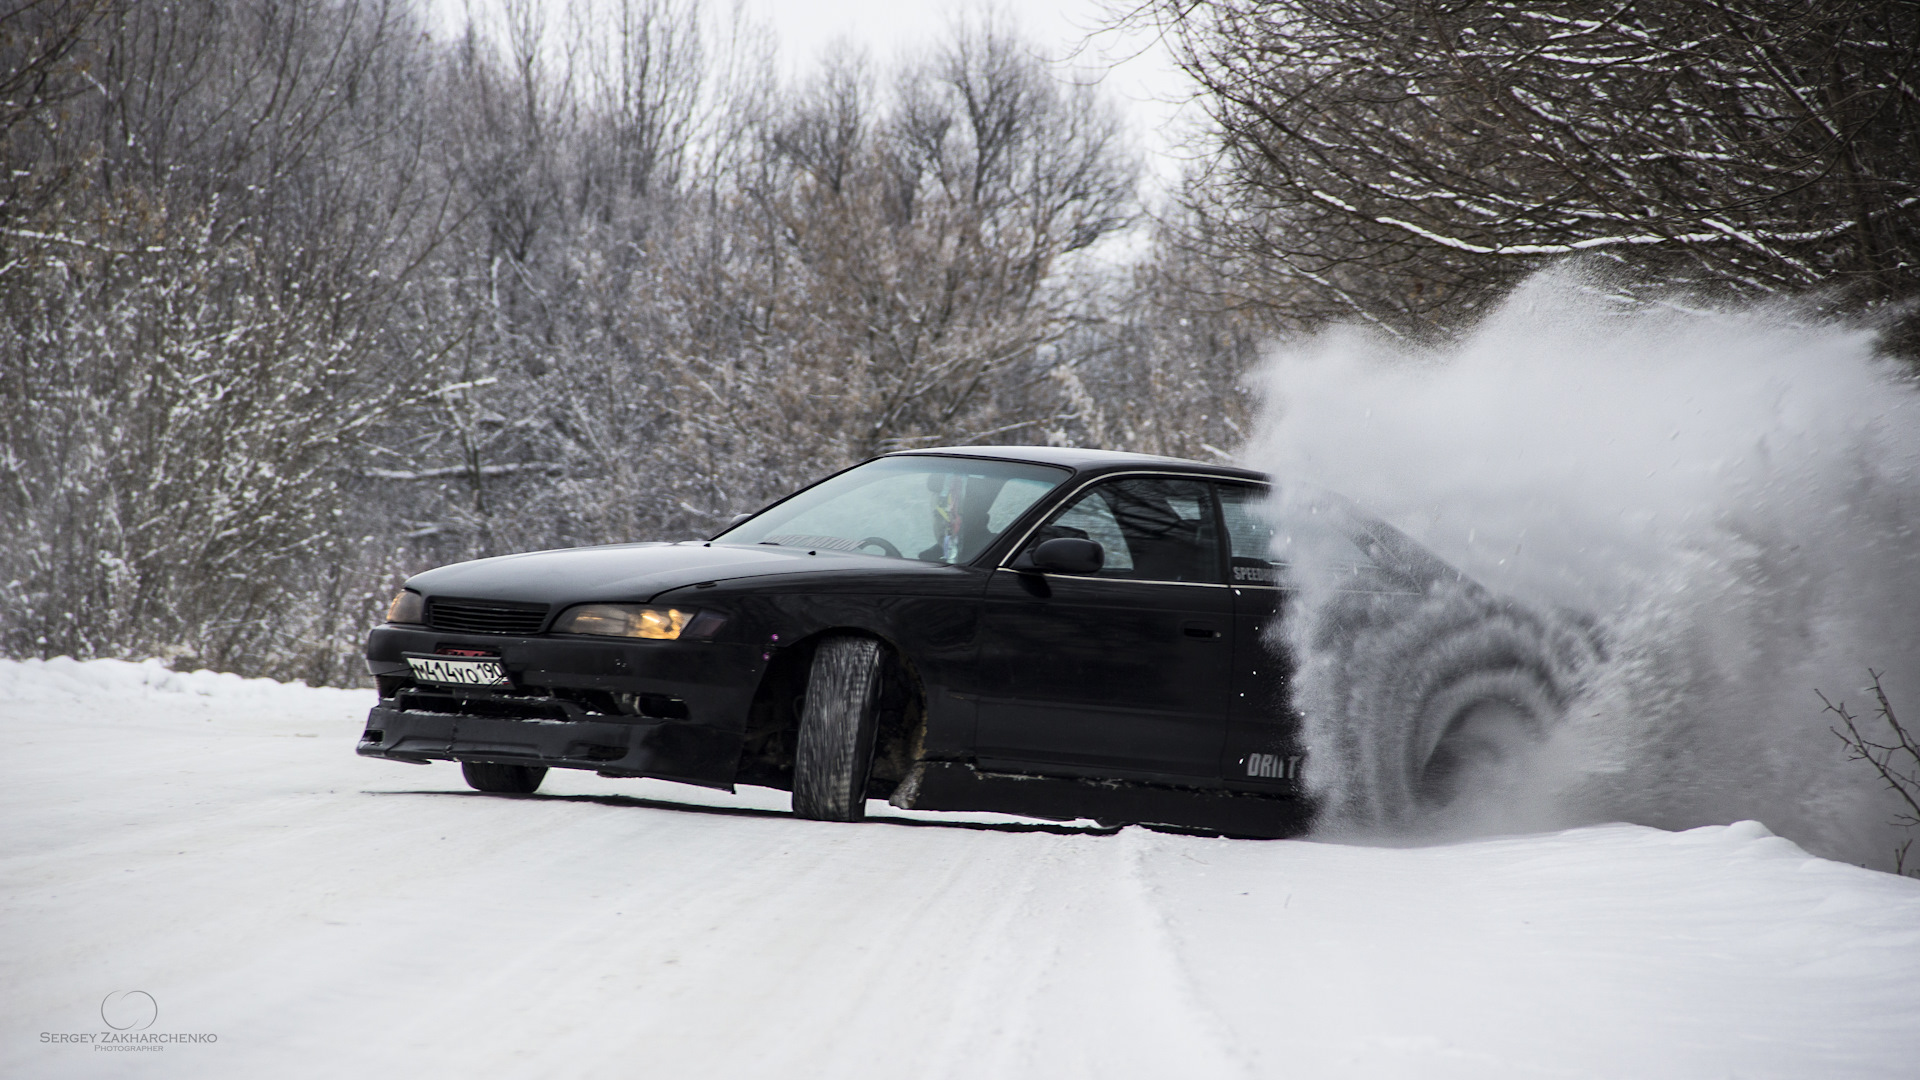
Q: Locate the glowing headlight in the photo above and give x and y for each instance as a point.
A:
(408, 607)
(624, 620)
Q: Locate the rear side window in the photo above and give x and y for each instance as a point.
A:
(1152, 529)
(1249, 535)
(1263, 542)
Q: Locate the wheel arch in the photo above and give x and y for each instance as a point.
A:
(773, 717)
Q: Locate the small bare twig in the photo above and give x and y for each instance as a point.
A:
(1897, 762)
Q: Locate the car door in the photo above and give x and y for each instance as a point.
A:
(1262, 751)
(1123, 672)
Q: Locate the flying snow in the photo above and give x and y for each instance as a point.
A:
(1701, 514)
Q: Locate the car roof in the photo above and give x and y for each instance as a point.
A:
(1084, 460)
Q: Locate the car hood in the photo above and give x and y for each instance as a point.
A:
(629, 572)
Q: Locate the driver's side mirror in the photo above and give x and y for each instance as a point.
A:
(1064, 555)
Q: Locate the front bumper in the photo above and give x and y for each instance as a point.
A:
(673, 710)
(667, 749)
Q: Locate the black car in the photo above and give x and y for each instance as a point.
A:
(1054, 632)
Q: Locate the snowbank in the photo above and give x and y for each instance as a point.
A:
(64, 677)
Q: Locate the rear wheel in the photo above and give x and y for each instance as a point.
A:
(1484, 741)
(835, 748)
(502, 779)
(1426, 707)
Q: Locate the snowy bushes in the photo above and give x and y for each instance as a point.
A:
(177, 437)
(1898, 762)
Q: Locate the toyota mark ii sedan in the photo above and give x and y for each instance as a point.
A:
(1058, 633)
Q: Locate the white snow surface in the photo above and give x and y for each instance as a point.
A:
(215, 843)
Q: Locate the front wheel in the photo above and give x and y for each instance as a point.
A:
(837, 722)
(502, 779)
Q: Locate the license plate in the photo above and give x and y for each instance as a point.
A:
(437, 669)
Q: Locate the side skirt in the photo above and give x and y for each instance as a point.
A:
(947, 785)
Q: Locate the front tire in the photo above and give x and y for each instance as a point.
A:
(502, 779)
(837, 723)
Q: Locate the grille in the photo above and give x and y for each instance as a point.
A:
(485, 616)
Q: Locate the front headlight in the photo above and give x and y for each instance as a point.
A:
(408, 607)
(624, 620)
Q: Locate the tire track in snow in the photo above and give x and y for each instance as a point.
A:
(330, 916)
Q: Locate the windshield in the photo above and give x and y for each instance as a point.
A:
(938, 509)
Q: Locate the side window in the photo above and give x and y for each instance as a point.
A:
(1262, 547)
(1249, 535)
(1152, 529)
(1091, 518)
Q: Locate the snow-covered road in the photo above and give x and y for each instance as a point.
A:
(215, 844)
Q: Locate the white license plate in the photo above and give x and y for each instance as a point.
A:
(458, 672)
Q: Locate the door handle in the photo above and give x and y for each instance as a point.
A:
(1203, 631)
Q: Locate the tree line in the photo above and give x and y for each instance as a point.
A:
(299, 296)
(1402, 162)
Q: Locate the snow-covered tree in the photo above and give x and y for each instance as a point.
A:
(1402, 160)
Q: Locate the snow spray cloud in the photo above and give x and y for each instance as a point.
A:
(1701, 514)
